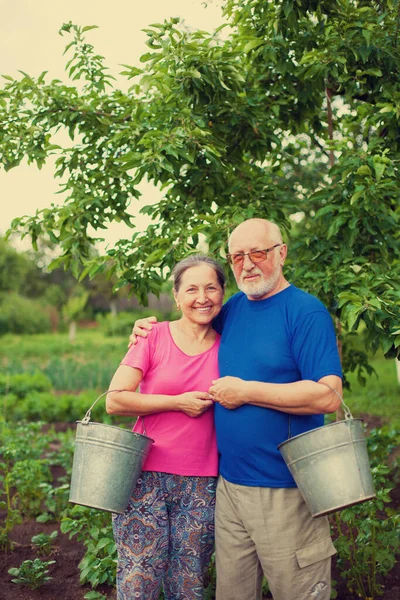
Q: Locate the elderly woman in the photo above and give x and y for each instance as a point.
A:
(166, 535)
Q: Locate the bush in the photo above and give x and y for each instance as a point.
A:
(69, 374)
(122, 323)
(51, 408)
(23, 383)
(22, 315)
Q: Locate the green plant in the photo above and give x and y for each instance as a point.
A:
(121, 324)
(380, 443)
(93, 528)
(32, 573)
(55, 500)
(43, 542)
(26, 476)
(93, 595)
(22, 383)
(12, 515)
(367, 540)
(22, 315)
(18, 444)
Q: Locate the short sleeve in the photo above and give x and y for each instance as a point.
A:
(315, 346)
(138, 356)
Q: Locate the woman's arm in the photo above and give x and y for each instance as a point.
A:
(131, 403)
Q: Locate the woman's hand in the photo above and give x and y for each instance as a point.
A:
(141, 328)
(194, 404)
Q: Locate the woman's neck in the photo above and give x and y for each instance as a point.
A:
(195, 331)
(192, 338)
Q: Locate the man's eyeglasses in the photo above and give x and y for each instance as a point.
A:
(255, 256)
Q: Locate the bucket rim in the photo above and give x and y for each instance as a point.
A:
(330, 510)
(296, 437)
(115, 427)
(98, 507)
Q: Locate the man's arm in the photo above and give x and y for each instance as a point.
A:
(298, 398)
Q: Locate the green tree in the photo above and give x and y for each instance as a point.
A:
(14, 267)
(74, 309)
(292, 116)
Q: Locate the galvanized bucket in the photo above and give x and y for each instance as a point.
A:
(107, 463)
(330, 465)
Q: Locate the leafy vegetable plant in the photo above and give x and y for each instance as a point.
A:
(32, 573)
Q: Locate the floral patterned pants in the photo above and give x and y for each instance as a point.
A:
(165, 537)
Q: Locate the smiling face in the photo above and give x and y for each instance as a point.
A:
(200, 294)
(263, 279)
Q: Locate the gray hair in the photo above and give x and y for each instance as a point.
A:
(194, 261)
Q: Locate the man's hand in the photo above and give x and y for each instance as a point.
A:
(194, 404)
(141, 328)
(229, 392)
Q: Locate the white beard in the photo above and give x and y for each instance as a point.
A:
(260, 288)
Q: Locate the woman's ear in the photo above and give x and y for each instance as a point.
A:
(178, 306)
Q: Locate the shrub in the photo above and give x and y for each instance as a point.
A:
(69, 374)
(26, 476)
(23, 383)
(122, 323)
(367, 540)
(93, 528)
(52, 408)
(22, 315)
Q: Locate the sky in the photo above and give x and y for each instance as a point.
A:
(29, 41)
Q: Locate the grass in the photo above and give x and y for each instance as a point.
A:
(381, 394)
(89, 345)
(88, 363)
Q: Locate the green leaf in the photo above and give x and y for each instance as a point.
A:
(388, 108)
(252, 44)
(379, 170)
(364, 170)
(356, 196)
(367, 35)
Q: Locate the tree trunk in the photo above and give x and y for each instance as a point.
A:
(72, 331)
(113, 308)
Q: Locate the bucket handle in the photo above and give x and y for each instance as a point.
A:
(347, 413)
(86, 418)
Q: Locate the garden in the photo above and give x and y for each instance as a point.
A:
(288, 112)
(51, 548)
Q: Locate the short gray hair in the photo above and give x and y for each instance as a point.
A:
(194, 261)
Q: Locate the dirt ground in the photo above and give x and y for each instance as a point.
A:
(67, 554)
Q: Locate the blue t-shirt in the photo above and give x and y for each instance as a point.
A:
(285, 338)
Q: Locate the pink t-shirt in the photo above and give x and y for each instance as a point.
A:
(183, 445)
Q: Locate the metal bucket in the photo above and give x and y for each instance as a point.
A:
(107, 463)
(330, 465)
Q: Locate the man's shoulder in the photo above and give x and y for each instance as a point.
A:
(233, 302)
(304, 300)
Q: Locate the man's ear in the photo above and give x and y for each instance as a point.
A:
(283, 250)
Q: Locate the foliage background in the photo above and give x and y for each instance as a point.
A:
(292, 116)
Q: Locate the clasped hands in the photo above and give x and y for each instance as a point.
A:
(229, 392)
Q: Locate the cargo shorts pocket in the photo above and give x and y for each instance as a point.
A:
(314, 553)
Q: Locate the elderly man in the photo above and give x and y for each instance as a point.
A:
(279, 373)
